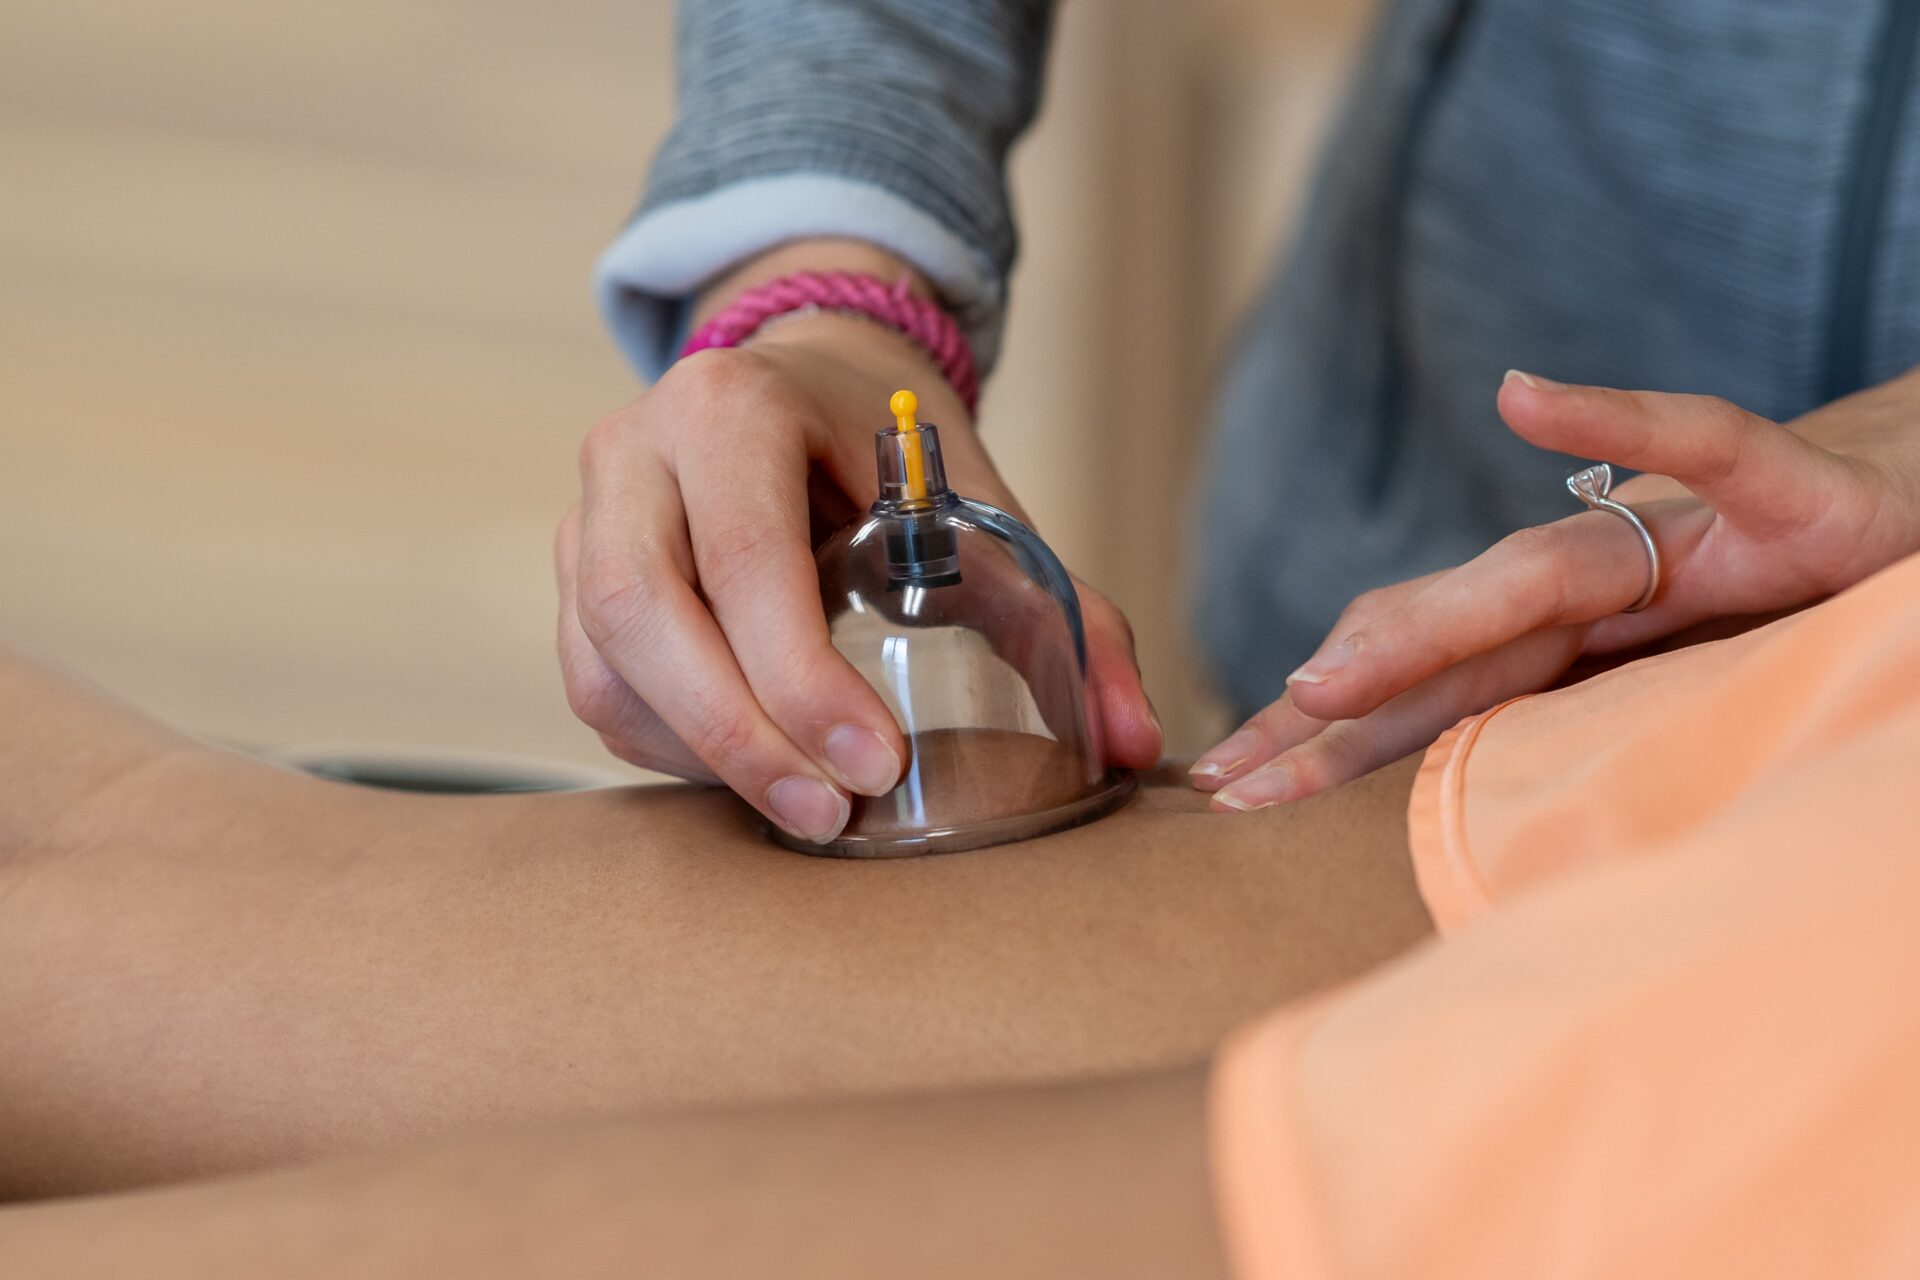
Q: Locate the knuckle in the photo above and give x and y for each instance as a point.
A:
(604, 440)
(596, 695)
(1529, 545)
(614, 598)
(708, 379)
(806, 673)
(1716, 411)
(730, 557)
(1729, 427)
(720, 733)
(1540, 560)
(1530, 559)
(1336, 755)
(1309, 767)
(793, 679)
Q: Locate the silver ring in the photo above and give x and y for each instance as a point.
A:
(1592, 485)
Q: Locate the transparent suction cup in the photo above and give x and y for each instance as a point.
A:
(968, 626)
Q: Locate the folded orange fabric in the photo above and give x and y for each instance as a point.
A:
(1672, 1027)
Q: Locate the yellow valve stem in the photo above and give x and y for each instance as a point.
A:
(906, 408)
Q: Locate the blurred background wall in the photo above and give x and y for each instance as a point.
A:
(296, 342)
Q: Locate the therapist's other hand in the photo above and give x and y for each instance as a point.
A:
(691, 633)
(1751, 518)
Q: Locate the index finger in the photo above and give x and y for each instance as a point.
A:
(754, 564)
(638, 607)
(1571, 571)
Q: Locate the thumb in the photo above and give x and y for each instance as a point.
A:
(1130, 729)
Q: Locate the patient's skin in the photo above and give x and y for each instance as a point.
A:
(207, 964)
(1103, 1179)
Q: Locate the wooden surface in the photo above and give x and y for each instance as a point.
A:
(297, 345)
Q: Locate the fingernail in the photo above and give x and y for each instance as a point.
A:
(1268, 785)
(1534, 381)
(861, 759)
(1226, 757)
(808, 807)
(1318, 669)
(1153, 714)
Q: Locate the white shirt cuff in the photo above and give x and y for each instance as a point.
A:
(647, 276)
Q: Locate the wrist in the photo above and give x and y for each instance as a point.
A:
(806, 255)
(892, 305)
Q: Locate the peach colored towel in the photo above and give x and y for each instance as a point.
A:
(1672, 1027)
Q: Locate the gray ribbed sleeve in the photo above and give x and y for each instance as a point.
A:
(921, 98)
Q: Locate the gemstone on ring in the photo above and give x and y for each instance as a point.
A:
(1591, 484)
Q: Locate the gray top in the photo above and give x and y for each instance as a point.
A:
(1705, 195)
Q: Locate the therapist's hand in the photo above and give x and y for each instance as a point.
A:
(1751, 518)
(691, 633)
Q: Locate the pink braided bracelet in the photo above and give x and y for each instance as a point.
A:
(895, 306)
